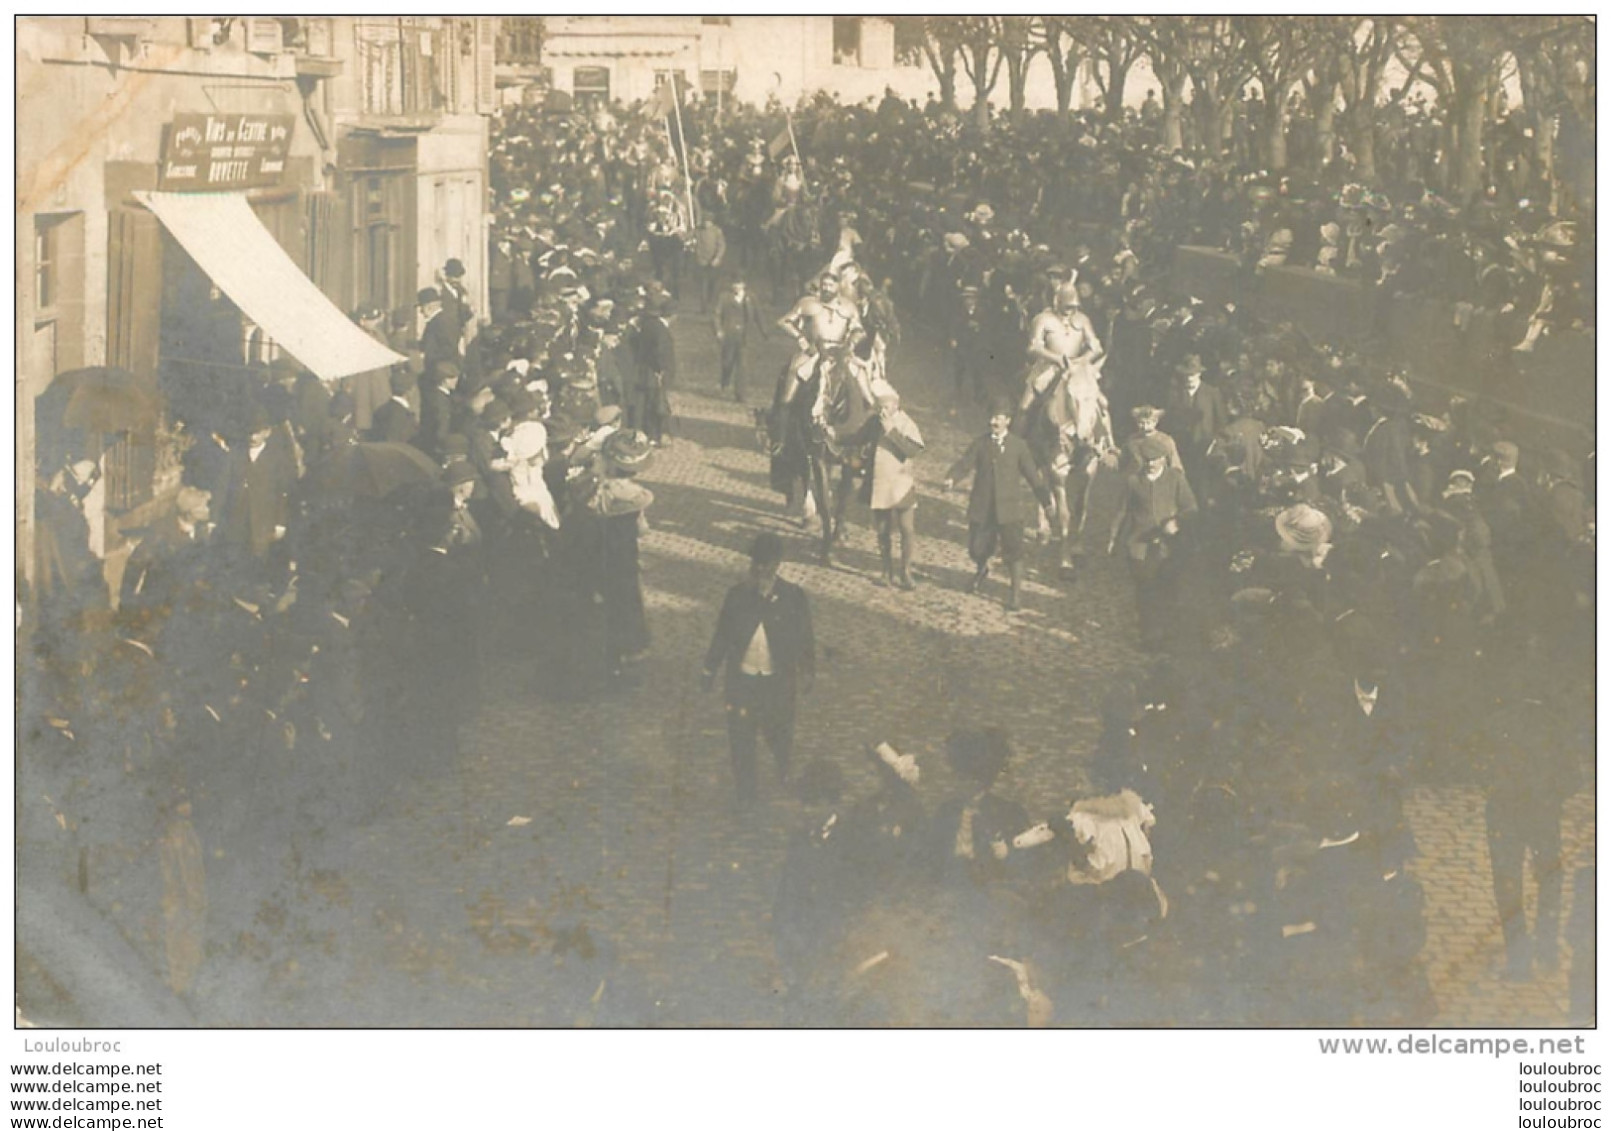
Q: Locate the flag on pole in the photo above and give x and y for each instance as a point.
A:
(779, 145)
(663, 101)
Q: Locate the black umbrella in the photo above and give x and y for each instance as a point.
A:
(373, 471)
(100, 398)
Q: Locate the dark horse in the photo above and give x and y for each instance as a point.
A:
(806, 447)
(796, 248)
(753, 207)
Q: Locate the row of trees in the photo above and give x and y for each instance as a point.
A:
(1342, 69)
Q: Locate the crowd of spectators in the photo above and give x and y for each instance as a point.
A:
(1364, 565)
(1350, 598)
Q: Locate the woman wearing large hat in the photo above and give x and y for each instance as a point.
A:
(607, 550)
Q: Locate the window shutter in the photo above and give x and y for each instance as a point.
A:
(133, 291)
(486, 87)
(264, 35)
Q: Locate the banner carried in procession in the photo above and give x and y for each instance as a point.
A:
(219, 152)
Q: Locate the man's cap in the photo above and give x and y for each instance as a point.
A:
(454, 269)
(460, 471)
(767, 549)
(1000, 406)
(429, 295)
(1152, 447)
(1506, 452)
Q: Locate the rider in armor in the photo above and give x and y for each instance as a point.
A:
(1065, 410)
(820, 389)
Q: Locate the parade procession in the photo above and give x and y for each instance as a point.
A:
(1145, 510)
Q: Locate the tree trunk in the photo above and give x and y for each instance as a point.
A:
(1017, 80)
(1275, 133)
(1063, 78)
(1544, 156)
(1171, 125)
(981, 107)
(1365, 148)
(1113, 91)
(1221, 115)
(1471, 111)
(945, 71)
(1324, 102)
(1172, 92)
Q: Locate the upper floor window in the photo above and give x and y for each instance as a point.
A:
(847, 41)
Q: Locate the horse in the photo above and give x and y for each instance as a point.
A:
(753, 205)
(796, 248)
(819, 422)
(1071, 434)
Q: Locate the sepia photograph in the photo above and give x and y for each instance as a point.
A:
(805, 522)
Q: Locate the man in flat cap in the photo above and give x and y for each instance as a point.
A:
(996, 509)
(1157, 498)
(763, 638)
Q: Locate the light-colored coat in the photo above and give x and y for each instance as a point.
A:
(893, 481)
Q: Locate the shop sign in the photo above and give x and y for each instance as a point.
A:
(219, 152)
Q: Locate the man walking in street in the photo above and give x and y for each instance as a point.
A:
(996, 510)
(710, 252)
(648, 404)
(735, 314)
(763, 638)
(1157, 498)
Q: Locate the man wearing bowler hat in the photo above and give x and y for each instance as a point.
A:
(996, 510)
(763, 638)
(439, 340)
(1194, 415)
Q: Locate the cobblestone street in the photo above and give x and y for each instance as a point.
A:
(584, 861)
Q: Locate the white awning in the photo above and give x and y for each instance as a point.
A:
(227, 241)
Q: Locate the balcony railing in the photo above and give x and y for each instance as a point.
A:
(406, 69)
